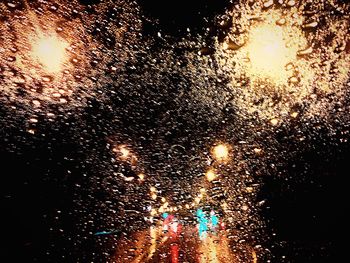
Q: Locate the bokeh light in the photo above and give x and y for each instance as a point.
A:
(50, 51)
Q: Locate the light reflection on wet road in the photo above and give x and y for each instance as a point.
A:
(153, 245)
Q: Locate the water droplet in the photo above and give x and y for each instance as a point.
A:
(294, 80)
(291, 3)
(36, 103)
(74, 60)
(305, 51)
(268, 3)
(206, 51)
(294, 114)
(31, 131)
(11, 59)
(231, 45)
(289, 66)
(47, 78)
(257, 150)
(281, 21)
(249, 189)
(54, 8)
(274, 121)
(310, 25)
(12, 5)
(13, 49)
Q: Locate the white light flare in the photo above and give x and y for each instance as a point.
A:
(50, 52)
(268, 52)
(220, 152)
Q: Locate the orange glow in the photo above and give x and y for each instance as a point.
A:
(174, 253)
(211, 175)
(268, 52)
(153, 212)
(274, 121)
(141, 176)
(220, 152)
(255, 258)
(50, 52)
(124, 152)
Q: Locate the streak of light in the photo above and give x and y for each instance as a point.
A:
(208, 251)
(255, 258)
(174, 248)
(101, 233)
(153, 241)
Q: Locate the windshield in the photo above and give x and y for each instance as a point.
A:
(174, 131)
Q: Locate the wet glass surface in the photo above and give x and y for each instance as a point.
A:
(184, 131)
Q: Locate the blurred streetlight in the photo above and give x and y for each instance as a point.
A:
(267, 51)
(124, 152)
(220, 152)
(211, 175)
(50, 51)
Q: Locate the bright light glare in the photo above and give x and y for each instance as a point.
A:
(210, 175)
(124, 152)
(220, 152)
(268, 52)
(50, 52)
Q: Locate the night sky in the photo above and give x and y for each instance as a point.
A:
(155, 78)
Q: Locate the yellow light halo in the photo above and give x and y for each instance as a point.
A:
(50, 51)
(211, 175)
(220, 152)
(271, 46)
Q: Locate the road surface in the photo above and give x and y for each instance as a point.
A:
(155, 246)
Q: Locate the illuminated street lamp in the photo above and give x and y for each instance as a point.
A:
(220, 152)
(50, 52)
(211, 175)
(267, 51)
